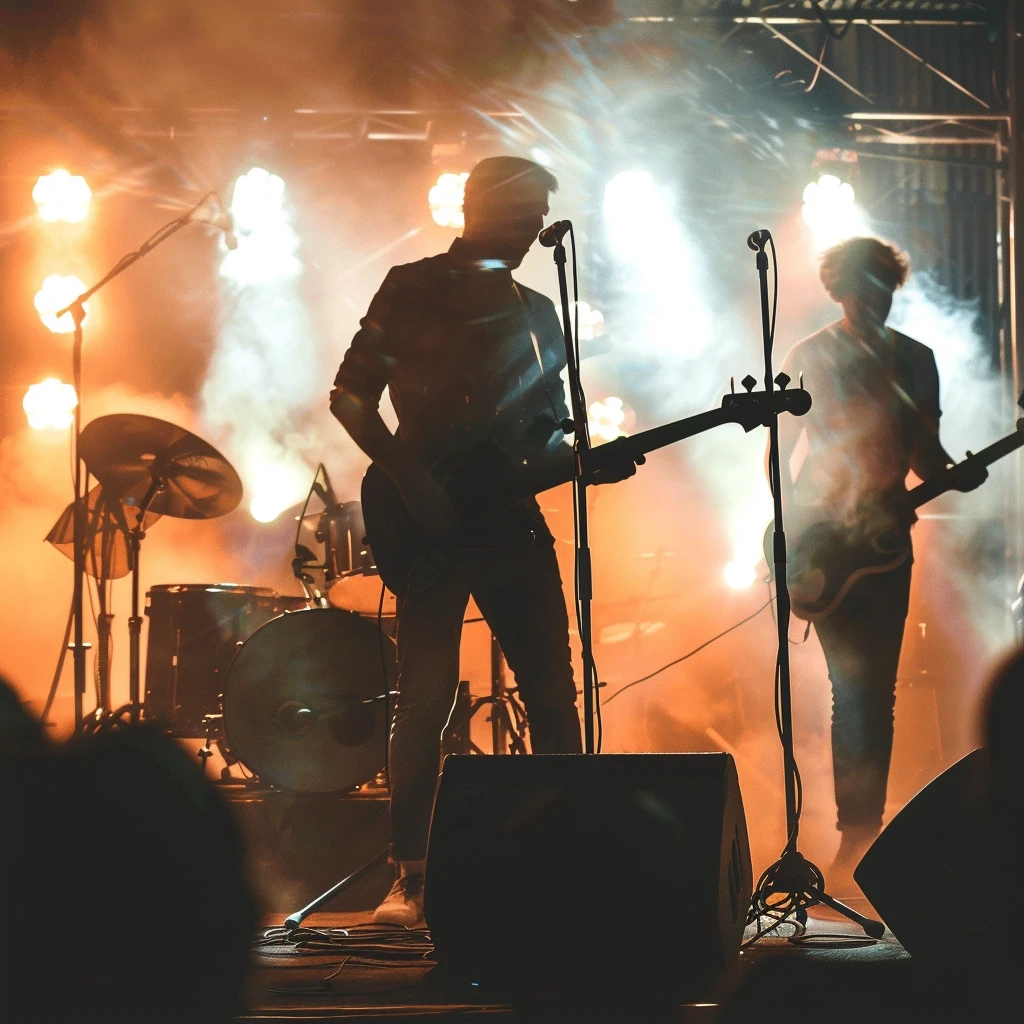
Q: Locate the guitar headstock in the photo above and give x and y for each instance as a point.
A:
(757, 408)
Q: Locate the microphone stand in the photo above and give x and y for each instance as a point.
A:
(792, 883)
(77, 310)
(581, 449)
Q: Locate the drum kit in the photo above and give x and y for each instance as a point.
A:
(295, 689)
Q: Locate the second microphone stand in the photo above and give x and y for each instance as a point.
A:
(792, 883)
(581, 449)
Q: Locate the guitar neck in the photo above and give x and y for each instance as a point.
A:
(658, 437)
(561, 471)
(944, 481)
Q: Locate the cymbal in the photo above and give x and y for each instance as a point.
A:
(304, 700)
(106, 553)
(126, 451)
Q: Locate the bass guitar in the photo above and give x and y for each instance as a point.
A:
(823, 563)
(481, 480)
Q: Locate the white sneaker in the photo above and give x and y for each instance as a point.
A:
(403, 904)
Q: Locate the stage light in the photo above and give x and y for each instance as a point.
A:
(659, 267)
(633, 210)
(56, 292)
(278, 482)
(50, 405)
(445, 199)
(267, 243)
(541, 156)
(739, 575)
(606, 419)
(62, 196)
(591, 322)
(830, 212)
(257, 199)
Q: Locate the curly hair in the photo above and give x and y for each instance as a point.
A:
(850, 263)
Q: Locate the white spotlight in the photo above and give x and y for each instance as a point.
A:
(50, 405)
(739, 575)
(275, 485)
(591, 322)
(830, 212)
(62, 196)
(445, 199)
(56, 292)
(606, 419)
(267, 242)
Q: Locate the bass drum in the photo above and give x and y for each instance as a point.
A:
(305, 701)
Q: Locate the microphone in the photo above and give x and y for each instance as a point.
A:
(757, 240)
(553, 234)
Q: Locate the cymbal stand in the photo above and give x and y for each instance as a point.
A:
(792, 884)
(135, 539)
(78, 646)
(76, 309)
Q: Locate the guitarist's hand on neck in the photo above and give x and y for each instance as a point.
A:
(969, 475)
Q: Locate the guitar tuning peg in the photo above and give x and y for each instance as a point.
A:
(748, 382)
(783, 380)
(801, 381)
(732, 385)
(1020, 401)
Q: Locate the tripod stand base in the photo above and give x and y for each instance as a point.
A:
(798, 885)
(875, 929)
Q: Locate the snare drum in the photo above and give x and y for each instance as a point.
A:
(352, 583)
(194, 632)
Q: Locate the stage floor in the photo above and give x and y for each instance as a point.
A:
(359, 978)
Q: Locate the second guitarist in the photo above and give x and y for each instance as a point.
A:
(875, 417)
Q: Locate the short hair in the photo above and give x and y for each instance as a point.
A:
(496, 173)
(846, 265)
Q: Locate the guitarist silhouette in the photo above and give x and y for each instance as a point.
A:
(844, 467)
(472, 360)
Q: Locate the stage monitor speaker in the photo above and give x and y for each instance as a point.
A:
(588, 873)
(932, 873)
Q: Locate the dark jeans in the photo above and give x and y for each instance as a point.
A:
(862, 641)
(519, 593)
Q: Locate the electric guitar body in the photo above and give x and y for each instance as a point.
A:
(823, 565)
(482, 480)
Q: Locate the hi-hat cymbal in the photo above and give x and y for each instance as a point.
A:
(106, 546)
(126, 452)
(305, 700)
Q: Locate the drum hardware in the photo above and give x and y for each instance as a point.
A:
(108, 522)
(347, 576)
(205, 752)
(509, 725)
(146, 468)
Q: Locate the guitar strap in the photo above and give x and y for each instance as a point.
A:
(524, 302)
